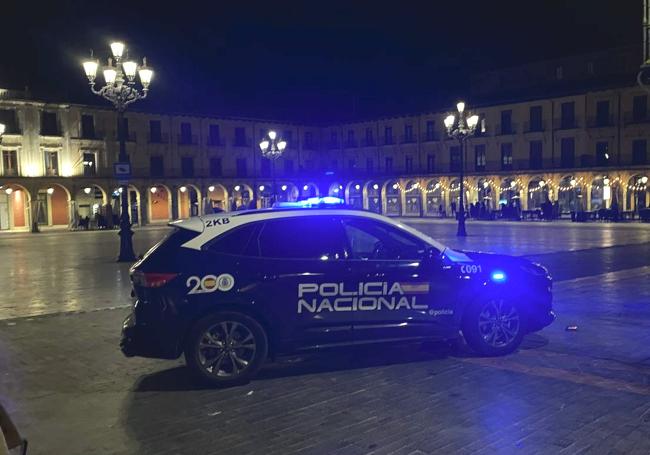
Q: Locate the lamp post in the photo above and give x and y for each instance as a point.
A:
(460, 126)
(272, 148)
(121, 90)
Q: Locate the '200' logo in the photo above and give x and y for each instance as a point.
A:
(210, 283)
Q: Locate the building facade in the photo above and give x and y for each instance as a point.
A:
(586, 151)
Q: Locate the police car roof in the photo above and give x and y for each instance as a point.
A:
(212, 225)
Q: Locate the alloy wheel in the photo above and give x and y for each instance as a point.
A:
(499, 323)
(226, 349)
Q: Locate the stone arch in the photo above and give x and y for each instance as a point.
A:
(570, 194)
(413, 198)
(372, 195)
(241, 197)
(287, 192)
(189, 200)
(336, 190)
(434, 198)
(537, 192)
(392, 198)
(354, 194)
(216, 198)
(509, 192)
(160, 203)
(90, 200)
(637, 196)
(15, 202)
(52, 205)
(486, 194)
(308, 190)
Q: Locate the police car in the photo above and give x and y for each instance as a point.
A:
(230, 290)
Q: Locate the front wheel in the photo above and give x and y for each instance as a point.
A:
(226, 348)
(494, 326)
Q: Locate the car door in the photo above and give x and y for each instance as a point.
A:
(398, 278)
(300, 269)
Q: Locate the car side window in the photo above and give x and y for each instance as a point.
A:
(374, 240)
(236, 241)
(302, 237)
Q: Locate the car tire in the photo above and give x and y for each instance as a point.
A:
(225, 349)
(493, 326)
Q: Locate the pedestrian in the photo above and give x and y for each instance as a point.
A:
(440, 210)
(453, 208)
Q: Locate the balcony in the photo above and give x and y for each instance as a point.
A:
(10, 172)
(630, 118)
(534, 127)
(311, 145)
(12, 129)
(407, 139)
(350, 143)
(429, 136)
(187, 139)
(368, 142)
(332, 145)
(130, 136)
(387, 141)
(52, 132)
(601, 122)
(505, 130)
(565, 124)
(92, 136)
(162, 138)
(215, 141)
(242, 142)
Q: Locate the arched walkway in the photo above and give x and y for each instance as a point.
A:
(336, 190)
(393, 198)
(135, 213)
(160, 203)
(189, 197)
(373, 196)
(216, 198)
(241, 197)
(570, 195)
(354, 194)
(287, 192)
(435, 202)
(89, 207)
(537, 193)
(638, 193)
(53, 206)
(413, 198)
(308, 190)
(15, 201)
(485, 195)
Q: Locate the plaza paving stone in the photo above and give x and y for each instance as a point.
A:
(586, 391)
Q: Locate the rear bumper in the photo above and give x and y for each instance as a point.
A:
(144, 340)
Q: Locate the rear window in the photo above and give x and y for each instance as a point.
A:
(235, 241)
(162, 256)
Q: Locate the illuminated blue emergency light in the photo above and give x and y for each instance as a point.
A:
(498, 276)
(312, 202)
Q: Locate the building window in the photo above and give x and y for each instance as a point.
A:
(156, 166)
(408, 133)
(89, 164)
(602, 113)
(536, 154)
(639, 153)
(288, 138)
(187, 166)
(506, 156)
(334, 141)
(369, 139)
(216, 169)
(309, 140)
(388, 135)
(389, 164)
(350, 141)
(369, 164)
(87, 126)
(240, 137)
(431, 163)
(50, 124)
(602, 153)
(567, 152)
(535, 118)
(559, 73)
(155, 132)
(408, 164)
(214, 135)
(51, 162)
(288, 167)
(265, 167)
(9, 120)
(506, 122)
(431, 134)
(10, 162)
(590, 68)
(454, 159)
(480, 158)
(568, 115)
(125, 124)
(639, 108)
(241, 167)
(186, 133)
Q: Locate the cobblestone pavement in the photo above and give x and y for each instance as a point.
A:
(585, 391)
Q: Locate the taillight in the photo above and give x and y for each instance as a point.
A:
(152, 280)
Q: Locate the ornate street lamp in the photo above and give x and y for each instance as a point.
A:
(121, 90)
(272, 148)
(460, 126)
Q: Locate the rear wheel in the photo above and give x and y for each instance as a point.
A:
(494, 326)
(226, 348)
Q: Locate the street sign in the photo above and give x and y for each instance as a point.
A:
(122, 171)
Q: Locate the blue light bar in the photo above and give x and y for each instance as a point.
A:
(311, 202)
(498, 276)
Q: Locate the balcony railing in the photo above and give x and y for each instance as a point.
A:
(534, 127)
(92, 135)
(604, 122)
(505, 130)
(12, 129)
(350, 143)
(163, 138)
(565, 124)
(10, 172)
(51, 132)
(407, 139)
(215, 141)
(242, 142)
(187, 139)
(130, 136)
(630, 119)
(368, 142)
(332, 145)
(309, 145)
(429, 136)
(387, 141)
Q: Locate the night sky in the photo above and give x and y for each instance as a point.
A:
(306, 61)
